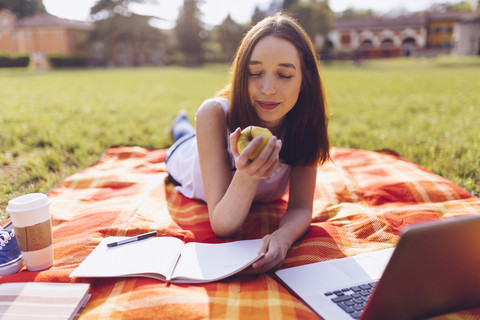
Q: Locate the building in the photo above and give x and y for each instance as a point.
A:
(419, 34)
(440, 28)
(42, 35)
(466, 37)
(380, 37)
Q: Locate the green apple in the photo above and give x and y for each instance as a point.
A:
(248, 134)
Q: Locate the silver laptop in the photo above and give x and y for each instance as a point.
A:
(434, 269)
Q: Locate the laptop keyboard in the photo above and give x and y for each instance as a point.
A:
(353, 299)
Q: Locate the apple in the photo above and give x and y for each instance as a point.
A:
(248, 134)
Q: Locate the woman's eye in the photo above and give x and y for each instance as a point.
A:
(284, 76)
(255, 74)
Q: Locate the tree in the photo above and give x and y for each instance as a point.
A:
(190, 33)
(107, 8)
(274, 7)
(462, 6)
(126, 38)
(322, 18)
(258, 15)
(303, 12)
(315, 16)
(23, 8)
(351, 13)
(288, 4)
(229, 34)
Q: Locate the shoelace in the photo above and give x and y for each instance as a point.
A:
(5, 236)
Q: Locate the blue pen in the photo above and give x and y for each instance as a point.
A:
(136, 238)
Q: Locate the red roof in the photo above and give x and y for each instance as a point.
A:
(404, 21)
(48, 20)
(415, 20)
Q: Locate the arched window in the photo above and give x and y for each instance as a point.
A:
(367, 44)
(409, 43)
(386, 43)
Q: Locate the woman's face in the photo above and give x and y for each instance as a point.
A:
(274, 79)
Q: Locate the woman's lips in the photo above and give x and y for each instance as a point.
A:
(268, 104)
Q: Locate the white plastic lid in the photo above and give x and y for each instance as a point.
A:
(27, 202)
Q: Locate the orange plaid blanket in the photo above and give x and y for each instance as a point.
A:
(362, 201)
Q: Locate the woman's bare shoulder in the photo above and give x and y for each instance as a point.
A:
(212, 140)
(211, 114)
(210, 108)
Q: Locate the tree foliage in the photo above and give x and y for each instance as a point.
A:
(314, 15)
(116, 25)
(190, 32)
(462, 6)
(229, 34)
(352, 13)
(322, 17)
(258, 15)
(23, 8)
(288, 4)
(107, 8)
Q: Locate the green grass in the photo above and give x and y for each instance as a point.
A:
(426, 110)
(55, 123)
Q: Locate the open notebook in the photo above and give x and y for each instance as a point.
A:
(433, 270)
(169, 259)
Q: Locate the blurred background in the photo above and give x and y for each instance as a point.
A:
(109, 33)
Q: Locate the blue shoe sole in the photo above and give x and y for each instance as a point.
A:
(11, 267)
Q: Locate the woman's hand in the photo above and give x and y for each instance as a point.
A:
(264, 165)
(275, 247)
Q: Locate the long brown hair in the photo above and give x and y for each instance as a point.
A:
(305, 139)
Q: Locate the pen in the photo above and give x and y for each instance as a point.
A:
(136, 238)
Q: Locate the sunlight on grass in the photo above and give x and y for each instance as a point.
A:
(55, 123)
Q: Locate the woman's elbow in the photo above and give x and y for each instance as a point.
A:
(223, 232)
(223, 229)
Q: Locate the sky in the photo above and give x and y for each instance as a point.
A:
(215, 11)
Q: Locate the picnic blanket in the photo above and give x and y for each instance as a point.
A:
(362, 201)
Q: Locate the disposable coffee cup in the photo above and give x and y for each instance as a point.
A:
(30, 216)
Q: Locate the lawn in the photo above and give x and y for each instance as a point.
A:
(55, 123)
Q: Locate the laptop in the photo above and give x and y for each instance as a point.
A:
(434, 269)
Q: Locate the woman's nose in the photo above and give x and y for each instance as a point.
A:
(268, 85)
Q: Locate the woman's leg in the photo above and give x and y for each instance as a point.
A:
(182, 130)
(181, 126)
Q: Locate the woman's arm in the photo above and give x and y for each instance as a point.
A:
(229, 199)
(294, 223)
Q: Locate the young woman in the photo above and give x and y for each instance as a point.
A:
(275, 83)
